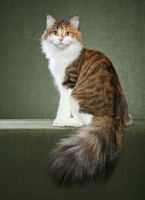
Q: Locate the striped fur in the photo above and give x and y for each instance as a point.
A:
(91, 152)
(88, 78)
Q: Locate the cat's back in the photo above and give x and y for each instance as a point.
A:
(90, 67)
(95, 63)
(98, 88)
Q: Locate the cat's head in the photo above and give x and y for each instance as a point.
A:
(61, 34)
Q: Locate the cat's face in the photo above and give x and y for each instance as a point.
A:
(61, 34)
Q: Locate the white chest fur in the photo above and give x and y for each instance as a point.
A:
(59, 59)
(57, 67)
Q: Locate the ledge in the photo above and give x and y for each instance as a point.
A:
(25, 175)
(25, 124)
(40, 124)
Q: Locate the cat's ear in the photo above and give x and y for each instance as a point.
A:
(74, 21)
(50, 21)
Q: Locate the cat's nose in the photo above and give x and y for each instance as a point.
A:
(60, 39)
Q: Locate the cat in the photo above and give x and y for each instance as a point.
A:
(90, 96)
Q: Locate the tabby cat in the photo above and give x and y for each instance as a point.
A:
(90, 96)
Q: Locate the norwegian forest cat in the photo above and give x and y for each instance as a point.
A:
(90, 96)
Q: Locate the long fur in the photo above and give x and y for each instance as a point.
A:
(90, 91)
(92, 151)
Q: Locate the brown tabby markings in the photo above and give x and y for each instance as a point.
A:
(96, 85)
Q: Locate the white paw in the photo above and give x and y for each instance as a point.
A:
(67, 122)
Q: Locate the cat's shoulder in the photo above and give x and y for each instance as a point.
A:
(95, 56)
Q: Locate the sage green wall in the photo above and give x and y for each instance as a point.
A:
(115, 27)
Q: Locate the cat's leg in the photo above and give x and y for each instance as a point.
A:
(64, 111)
(82, 118)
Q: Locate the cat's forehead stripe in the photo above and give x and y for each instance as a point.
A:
(61, 24)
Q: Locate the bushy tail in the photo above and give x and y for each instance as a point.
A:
(92, 151)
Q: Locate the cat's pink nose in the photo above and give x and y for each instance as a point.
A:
(60, 39)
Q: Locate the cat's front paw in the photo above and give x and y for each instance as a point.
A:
(58, 122)
(67, 122)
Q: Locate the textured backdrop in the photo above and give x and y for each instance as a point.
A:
(114, 27)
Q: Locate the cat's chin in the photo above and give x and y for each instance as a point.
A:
(61, 46)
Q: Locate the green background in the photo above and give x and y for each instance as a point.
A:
(115, 27)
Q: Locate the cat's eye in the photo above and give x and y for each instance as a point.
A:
(67, 33)
(55, 33)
